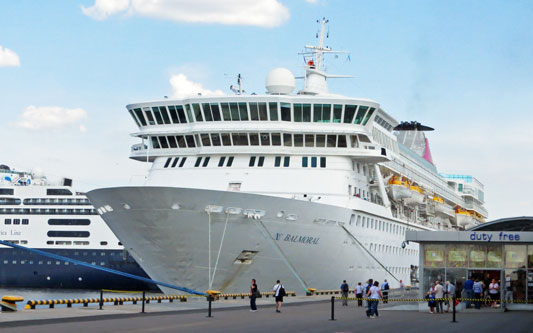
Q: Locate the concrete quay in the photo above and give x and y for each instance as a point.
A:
(299, 314)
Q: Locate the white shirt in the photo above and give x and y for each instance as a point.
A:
(439, 291)
(276, 289)
(359, 289)
(493, 288)
(374, 292)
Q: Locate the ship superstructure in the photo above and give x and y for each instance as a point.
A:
(307, 187)
(39, 214)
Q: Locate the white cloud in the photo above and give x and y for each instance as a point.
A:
(8, 57)
(183, 87)
(262, 13)
(311, 1)
(51, 118)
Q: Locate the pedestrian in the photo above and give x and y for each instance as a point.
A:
(279, 292)
(374, 294)
(430, 295)
(367, 288)
(478, 291)
(469, 292)
(450, 293)
(254, 293)
(385, 290)
(344, 291)
(359, 294)
(508, 295)
(402, 287)
(439, 295)
(494, 293)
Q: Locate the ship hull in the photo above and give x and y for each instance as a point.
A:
(305, 244)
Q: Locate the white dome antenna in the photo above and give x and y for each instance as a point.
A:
(280, 81)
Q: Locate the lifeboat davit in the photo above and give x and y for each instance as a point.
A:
(442, 208)
(398, 188)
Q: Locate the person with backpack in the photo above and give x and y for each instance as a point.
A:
(478, 290)
(344, 291)
(369, 284)
(279, 292)
(385, 290)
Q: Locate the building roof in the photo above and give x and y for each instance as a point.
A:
(519, 223)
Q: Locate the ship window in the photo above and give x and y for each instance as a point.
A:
(175, 162)
(254, 111)
(360, 114)
(173, 114)
(320, 140)
(10, 201)
(265, 139)
(298, 140)
(157, 115)
(287, 140)
(215, 138)
(337, 113)
(226, 115)
(273, 107)
(322, 113)
(103, 243)
(64, 243)
(234, 107)
(82, 243)
(221, 161)
(276, 139)
(243, 110)
(140, 115)
(163, 141)
(205, 140)
(349, 111)
(234, 187)
(304, 161)
(6, 191)
(342, 141)
(7, 221)
(261, 161)
(198, 140)
(206, 162)
(215, 111)
(277, 162)
(149, 116)
(226, 139)
(309, 140)
(190, 141)
(189, 113)
(155, 143)
(230, 161)
(167, 163)
(313, 162)
(207, 112)
(60, 233)
(198, 161)
(263, 115)
(172, 141)
(354, 143)
(286, 161)
(164, 113)
(16, 221)
(58, 191)
(254, 139)
(332, 140)
(368, 115)
(197, 112)
(134, 118)
(285, 111)
(183, 159)
(240, 139)
(181, 141)
(322, 162)
(252, 161)
(302, 112)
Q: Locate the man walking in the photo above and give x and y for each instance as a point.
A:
(279, 292)
(478, 290)
(439, 294)
(469, 291)
(359, 294)
(450, 293)
(344, 291)
(385, 291)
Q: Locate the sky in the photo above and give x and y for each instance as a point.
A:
(68, 68)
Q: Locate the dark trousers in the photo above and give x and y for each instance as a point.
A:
(252, 303)
(359, 299)
(385, 297)
(477, 297)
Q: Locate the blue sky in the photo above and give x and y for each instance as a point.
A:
(463, 67)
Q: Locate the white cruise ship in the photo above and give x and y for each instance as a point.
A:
(38, 214)
(308, 187)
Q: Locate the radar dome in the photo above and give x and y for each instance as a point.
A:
(280, 81)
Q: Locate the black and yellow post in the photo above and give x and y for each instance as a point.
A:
(144, 300)
(209, 299)
(453, 310)
(101, 299)
(332, 308)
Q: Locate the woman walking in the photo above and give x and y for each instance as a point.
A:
(374, 294)
(253, 296)
(494, 293)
